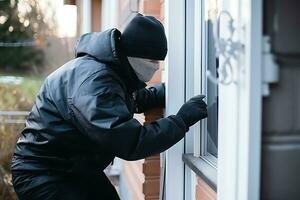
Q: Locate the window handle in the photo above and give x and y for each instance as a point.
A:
(228, 48)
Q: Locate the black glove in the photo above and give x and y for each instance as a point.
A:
(193, 110)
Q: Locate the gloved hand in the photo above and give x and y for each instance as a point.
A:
(193, 110)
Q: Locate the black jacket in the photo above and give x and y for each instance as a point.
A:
(83, 114)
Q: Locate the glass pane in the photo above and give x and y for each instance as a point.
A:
(212, 88)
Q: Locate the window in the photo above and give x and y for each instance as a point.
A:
(237, 71)
(210, 64)
(205, 65)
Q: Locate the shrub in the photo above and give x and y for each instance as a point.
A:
(13, 97)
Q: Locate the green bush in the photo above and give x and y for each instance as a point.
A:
(18, 98)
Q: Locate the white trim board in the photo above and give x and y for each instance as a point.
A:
(189, 175)
(175, 67)
(240, 119)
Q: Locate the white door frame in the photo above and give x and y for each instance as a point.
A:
(175, 78)
(190, 177)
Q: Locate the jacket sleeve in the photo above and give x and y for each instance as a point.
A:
(100, 112)
(151, 97)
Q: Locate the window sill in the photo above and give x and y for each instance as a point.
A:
(202, 168)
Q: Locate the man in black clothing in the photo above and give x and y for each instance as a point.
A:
(83, 115)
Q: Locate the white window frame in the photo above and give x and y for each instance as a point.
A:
(206, 166)
(175, 94)
(204, 86)
(200, 79)
(239, 129)
(190, 176)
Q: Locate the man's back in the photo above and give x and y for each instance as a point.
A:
(50, 140)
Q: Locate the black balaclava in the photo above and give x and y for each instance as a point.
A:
(144, 37)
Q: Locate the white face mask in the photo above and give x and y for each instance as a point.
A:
(143, 68)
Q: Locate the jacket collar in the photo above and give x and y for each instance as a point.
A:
(105, 47)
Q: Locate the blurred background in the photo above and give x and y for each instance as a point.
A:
(36, 37)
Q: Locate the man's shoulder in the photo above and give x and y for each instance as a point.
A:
(81, 74)
(78, 70)
(101, 81)
(89, 75)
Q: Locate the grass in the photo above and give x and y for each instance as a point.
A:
(26, 89)
(13, 97)
(30, 87)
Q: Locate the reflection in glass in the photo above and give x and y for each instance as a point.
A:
(212, 92)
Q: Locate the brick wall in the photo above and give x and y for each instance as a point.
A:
(96, 15)
(151, 165)
(204, 191)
